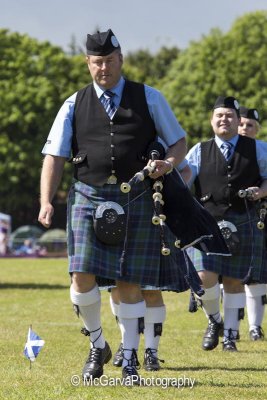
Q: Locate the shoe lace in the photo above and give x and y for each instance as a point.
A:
(258, 331)
(213, 325)
(150, 354)
(94, 355)
(120, 349)
(85, 332)
(133, 361)
(231, 337)
(130, 370)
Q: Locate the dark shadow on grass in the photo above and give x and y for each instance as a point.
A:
(31, 286)
(213, 383)
(206, 368)
(233, 385)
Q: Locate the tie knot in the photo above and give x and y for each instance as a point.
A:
(109, 93)
(227, 145)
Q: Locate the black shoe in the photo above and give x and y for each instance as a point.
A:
(211, 336)
(151, 362)
(93, 367)
(130, 376)
(256, 333)
(117, 359)
(129, 372)
(229, 345)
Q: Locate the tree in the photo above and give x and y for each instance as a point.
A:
(144, 67)
(247, 62)
(34, 81)
(231, 64)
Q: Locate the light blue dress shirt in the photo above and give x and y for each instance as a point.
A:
(60, 137)
(194, 156)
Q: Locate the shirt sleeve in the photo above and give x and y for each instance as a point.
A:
(60, 136)
(261, 152)
(194, 159)
(182, 165)
(167, 126)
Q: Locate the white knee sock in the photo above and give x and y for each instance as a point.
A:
(232, 302)
(129, 315)
(255, 308)
(211, 302)
(114, 307)
(89, 304)
(115, 311)
(153, 316)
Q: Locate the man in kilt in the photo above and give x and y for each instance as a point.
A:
(155, 314)
(221, 167)
(256, 293)
(107, 127)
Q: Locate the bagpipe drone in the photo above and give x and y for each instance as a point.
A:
(176, 207)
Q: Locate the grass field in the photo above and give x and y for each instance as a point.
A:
(36, 292)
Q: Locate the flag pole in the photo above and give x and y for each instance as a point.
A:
(30, 359)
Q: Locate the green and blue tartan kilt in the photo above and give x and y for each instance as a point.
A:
(144, 263)
(263, 278)
(251, 253)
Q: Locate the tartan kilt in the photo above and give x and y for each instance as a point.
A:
(263, 278)
(252, 249)
(144, 263)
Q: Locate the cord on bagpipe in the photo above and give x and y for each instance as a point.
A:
(155, 152)
(190, 275)
(159, 217)
(247, 195)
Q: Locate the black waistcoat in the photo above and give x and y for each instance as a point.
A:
(218, 182)
(102, 147)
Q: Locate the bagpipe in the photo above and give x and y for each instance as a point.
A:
(262, 214)
(261, 206)
(232, 237)
(155, 152)
(261, 209)
(176, 208)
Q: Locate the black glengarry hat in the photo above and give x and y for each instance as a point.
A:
(227, 102)
(102, 43)
(250, 113)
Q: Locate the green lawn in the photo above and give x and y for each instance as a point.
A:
(36, 292)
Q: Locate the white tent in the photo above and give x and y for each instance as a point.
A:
(5, 230)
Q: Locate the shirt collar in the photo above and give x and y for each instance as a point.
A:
(219, 141)
(117, 90)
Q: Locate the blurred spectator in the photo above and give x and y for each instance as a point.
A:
(4, 228)
(29, 248)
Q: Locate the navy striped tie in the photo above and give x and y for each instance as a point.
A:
(227, 150)
(109, 106)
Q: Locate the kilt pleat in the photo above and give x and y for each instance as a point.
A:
(263, 278)
(251, 253)
(144, 263)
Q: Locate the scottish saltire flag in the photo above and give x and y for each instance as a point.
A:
(33, 345)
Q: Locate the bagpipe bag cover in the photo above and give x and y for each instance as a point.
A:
(188, 220)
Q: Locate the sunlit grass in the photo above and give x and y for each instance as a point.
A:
(36, 292)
